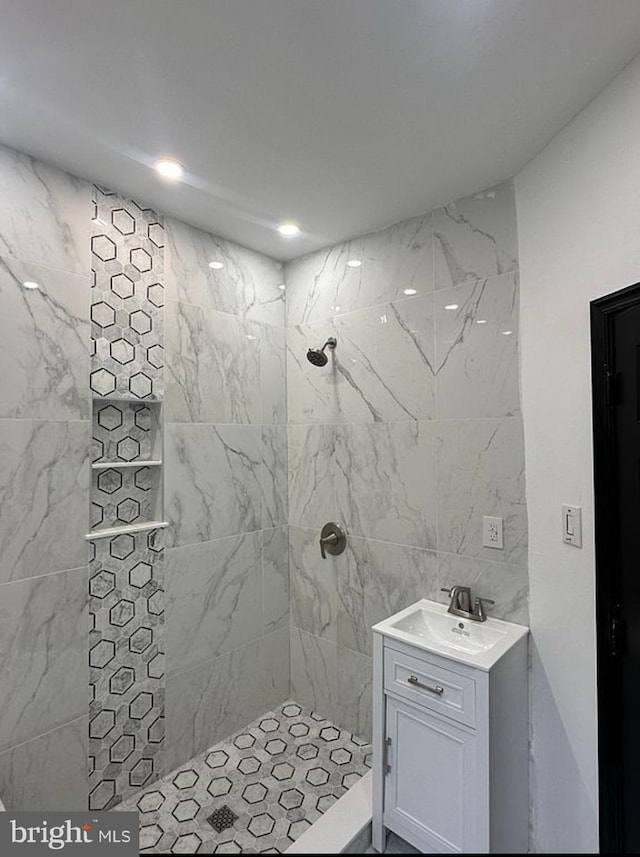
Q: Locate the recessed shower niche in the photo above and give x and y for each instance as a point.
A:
(126, 470)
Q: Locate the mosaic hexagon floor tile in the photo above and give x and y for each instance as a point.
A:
(254, 793)
(127, 297)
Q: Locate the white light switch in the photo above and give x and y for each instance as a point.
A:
(572, 525)
(492, 532)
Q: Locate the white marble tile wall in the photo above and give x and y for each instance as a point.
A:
(44, 457)
(409, 435)
(394, 260)
(247, 285)
(475, 237)
(226, 497)
(49, 772)
(210, 701)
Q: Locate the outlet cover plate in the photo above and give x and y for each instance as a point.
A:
(572, 525)
(492, 532)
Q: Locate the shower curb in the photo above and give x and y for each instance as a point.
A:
(345, 828)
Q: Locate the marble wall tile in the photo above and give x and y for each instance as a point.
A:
(313, 392)
(476, 237)
(275, 503)
(43, 654)
(477, 349)
(382, 369)
(275, 579)
(44, 343)
(211, 701)
(387, 438)
(314, 678)
(313, 584)
(394, 259)
(273, 374)
(45, 215)
(507, 585)
(275, 668)
(386, 481)
(247, 285)
(44, 496)
(355, 692)
(386, 359)
(212, 481)
(49, 773)
(375, 580)
(481, 472)
(214, 599)
(213, 366)
(312, 475)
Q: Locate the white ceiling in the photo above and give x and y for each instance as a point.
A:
(344, 115)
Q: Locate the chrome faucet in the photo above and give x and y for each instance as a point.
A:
(460, 604)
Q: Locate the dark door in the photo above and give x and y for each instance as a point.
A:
(616, 385)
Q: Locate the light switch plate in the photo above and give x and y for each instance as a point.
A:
(572, 525)
(492, 535)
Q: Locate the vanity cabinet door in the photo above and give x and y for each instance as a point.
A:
(431, 792)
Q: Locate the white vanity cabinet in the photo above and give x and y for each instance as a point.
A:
(450, 738)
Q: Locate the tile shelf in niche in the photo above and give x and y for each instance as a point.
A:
(134, 400)
(106, 465)
(127, 528)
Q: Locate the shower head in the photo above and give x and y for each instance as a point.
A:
(317, 355)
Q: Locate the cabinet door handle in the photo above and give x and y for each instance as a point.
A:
(413, 679)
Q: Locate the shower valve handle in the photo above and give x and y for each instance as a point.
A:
(333, 539)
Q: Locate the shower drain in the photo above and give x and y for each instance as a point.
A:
(222, 818)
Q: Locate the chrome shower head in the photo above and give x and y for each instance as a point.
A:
(317, 355)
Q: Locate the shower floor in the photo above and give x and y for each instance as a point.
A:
(270, 780)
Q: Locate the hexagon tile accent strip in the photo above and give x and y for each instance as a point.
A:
(127, 297)
(277, 776)
(126, 665)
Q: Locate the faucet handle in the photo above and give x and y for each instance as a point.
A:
(444, 589)
(479, 607)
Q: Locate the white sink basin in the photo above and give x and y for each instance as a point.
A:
(430, 627)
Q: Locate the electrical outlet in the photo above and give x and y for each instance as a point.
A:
(492, 532)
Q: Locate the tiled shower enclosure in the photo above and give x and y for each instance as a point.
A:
(143, 387)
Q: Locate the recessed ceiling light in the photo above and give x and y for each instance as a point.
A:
(169, 169)
(354, 263)
(288, 229)
(29, 284)
(216, 265)
(451, 306)
(282, 287)
(481, 321)
(250, 336)
(507, 332)
(411, 291)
